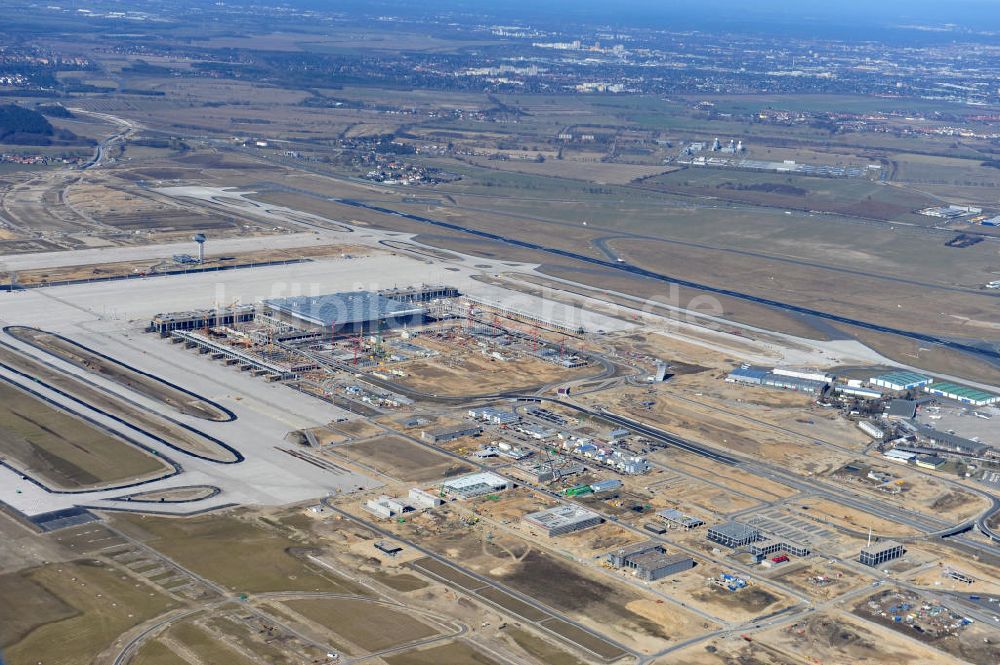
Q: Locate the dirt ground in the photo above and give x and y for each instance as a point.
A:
(851, 519)
(820, 581)
(985, 577)
(594, 600)
(472, 374)
(932, 624)
(695, 495)
(453, 653)
(828, 638)
(402, 459)
(834, 638)
(371, 627)
(165, 266)
(358, 429)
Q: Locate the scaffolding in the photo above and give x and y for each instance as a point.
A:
(234, 356)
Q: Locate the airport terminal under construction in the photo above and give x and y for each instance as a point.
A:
(317, 343)
(477, 442)
(417, 335)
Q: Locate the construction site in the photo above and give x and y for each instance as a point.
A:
(428, 340)
(442, 452)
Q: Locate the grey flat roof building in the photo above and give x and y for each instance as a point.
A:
(350, 308)
(880, 552)
(650, 561)
(446, 434)
(733, 534)
(679, 519)
(947, 441)
(475, 484)
(762, 548)
(563, 519)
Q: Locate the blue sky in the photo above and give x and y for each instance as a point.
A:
(822, 14)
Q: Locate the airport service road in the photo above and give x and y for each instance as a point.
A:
(79, 257)
(265, 413)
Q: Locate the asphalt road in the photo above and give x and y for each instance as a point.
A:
(471, 573)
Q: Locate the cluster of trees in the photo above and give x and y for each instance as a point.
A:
(21, 126)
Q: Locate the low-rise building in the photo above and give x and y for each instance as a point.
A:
(562, 519)
(899, 456)
(475, 484)
(386, 507)
(901, 409)
(423, 499)
(749, 375)
(535, 431)
(794, 383)
(900, 380)
(807, 373)
(762, 377)
(545, 472)
(880, 552)
(618, 434)
(388, 548)
(871, 430)
(953, 443)
(512, 451)
(446, 434)
(677, 519)
(763, 548)
(930, 462)
(733, 534)
(963, 394)
(494, 415)
(857, 391)
(609, 485)
(649, 561)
